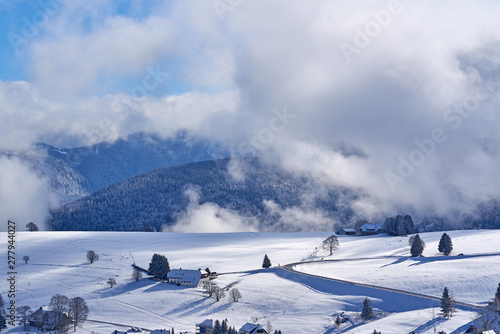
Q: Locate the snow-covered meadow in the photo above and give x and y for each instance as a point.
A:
(291, 302)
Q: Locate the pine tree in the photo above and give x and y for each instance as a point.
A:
(164, 268)
(217, 327)
(446, 303)
(445, 244)
(497, 294)
(159, 266)
(367, 312)
(153, 265)
(223, 327)
(417, 247)
(266, 263)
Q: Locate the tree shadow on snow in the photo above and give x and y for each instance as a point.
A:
(429, 325)
(150, 285)
(384, 300)
(424, 260)
(202, 306)
(401, 260)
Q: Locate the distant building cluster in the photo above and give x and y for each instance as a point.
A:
(365, 229)
(206, 327)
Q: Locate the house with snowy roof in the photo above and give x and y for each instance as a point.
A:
(371, 229)
(346, 231)
(206, 327)
(184, 277)
(47, 320)
(249, 328)
(160, 331)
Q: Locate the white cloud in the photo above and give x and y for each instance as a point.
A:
(299, 219)
(210, 218)
(264, 55)
(24, 196)
(73, 61)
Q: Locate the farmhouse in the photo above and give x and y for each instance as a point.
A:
(160, 331)
(206, 327)
(47, 320)
(249, 328)
(184, 277)
(346, 231)
(371, 229)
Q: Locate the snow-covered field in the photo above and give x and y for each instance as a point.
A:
(471, 278)
(291, 302)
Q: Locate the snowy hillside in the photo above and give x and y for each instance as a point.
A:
(470, 277)
(291, 302)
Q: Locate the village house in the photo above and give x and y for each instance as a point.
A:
(160, 331)
(46, 320)
(371, 229)
(185, 277)
(206, 327)
(346, 231)
(249, 328)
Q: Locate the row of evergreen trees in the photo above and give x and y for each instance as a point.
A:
(221, 327)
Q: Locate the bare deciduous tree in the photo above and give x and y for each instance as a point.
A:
(218, 293)
(79, 311)
(234, 295)
(269, 326)
(26, 258)
(23, 314)
(331, 243)
(136, 275)
(209, 288)
(31, 227)
(111, 282)
(59, 304)
(92, 256)
(488, 317)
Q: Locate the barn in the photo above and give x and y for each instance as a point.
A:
(346, 231)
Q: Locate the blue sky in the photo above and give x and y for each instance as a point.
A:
(11, 14)
(19, 17)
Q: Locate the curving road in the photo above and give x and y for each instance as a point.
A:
(291, 268)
